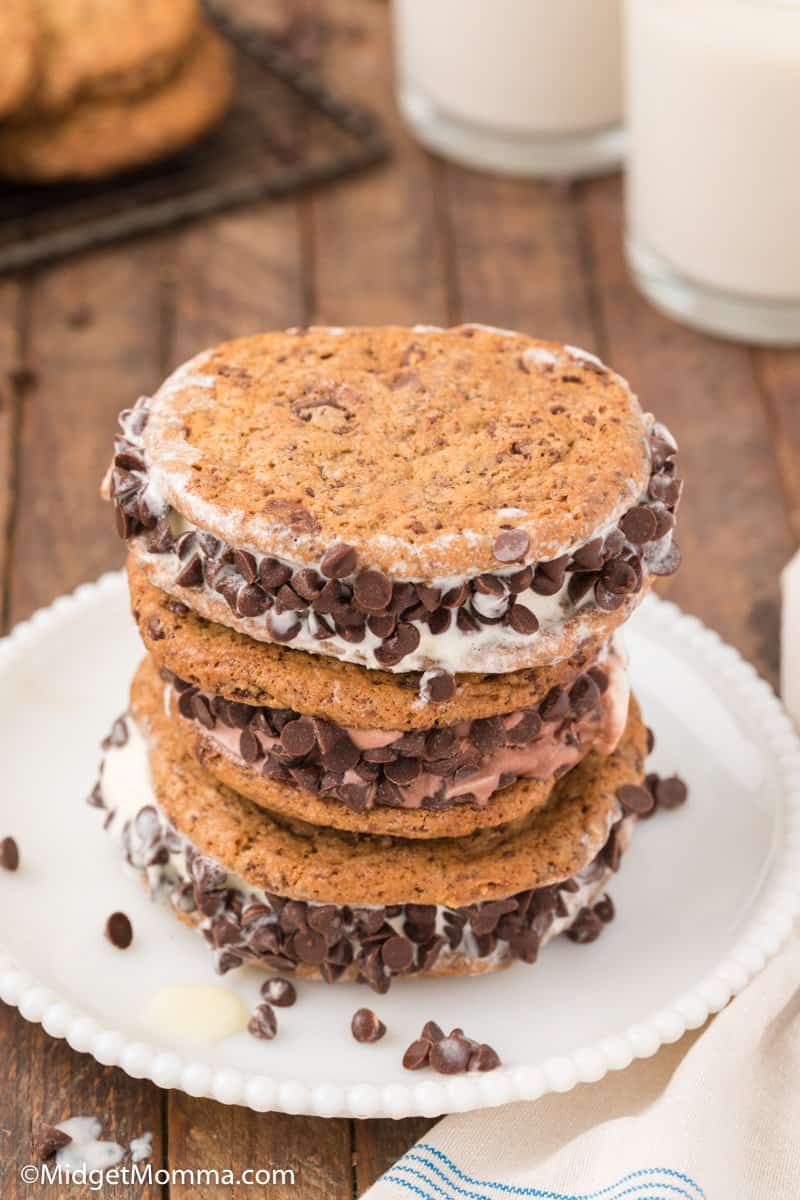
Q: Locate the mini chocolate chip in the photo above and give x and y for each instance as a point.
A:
(431, 1032)
(250, 747)
(366, 1026)
(522, 620)
(201, 710)
(307, 584)
(245, 563)
(634, 799)
(466, 622)
(263, 1023)
(49, 1140)
(438, 686)
(429, 597)
(526, 729)
(525, 945)
(586, 927)
(397, 954)
(511, 545)
(339, 561)
(273, 574)
(651, 740)
(119, 930)
(280, 992)
(639, 525)
(485, 1058)
(342, 756)
(555, 706)
(439, 622)
(589, 557)
(417, 1055)
(584, 695)
(403, 771)
(604, 909)
(9, 854)
(252, 601)
(309, 946)
(191, 574)
(298, 737)
(489, 585)
(450, 1055)
(606, 600)
(455, 597)
(520, 581)
(487, 734)
(580, 584)
(619, 577)
(372, 591)
(671, 792)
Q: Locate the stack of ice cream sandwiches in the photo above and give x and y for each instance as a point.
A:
(384, 725)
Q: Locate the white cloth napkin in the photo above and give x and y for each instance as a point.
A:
(714, 1117)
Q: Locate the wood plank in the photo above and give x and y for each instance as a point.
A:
(46, 1081)
(734, 531)
(9, 415)
(779, 375)
(518, 256)
(316, 1150)
(379, 1144)
(380, 253)
(93, 348)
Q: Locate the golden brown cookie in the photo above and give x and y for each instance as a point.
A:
(102, 49)
(287, 896)
(102, 136)
(405, 499)
(218, 659)
(19, 39)
(445, 782)
(310, 863)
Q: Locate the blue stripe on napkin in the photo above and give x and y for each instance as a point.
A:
(429, 1173)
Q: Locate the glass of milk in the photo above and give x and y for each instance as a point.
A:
(713, 186)
(529, 87)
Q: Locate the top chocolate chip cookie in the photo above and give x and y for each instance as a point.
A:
(409, 499)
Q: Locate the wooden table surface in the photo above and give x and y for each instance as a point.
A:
(417, 241)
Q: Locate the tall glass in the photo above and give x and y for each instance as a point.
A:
(529, 87)
(713, 186)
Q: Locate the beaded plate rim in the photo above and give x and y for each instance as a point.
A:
(767, 928)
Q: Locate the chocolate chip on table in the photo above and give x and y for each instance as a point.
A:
(119, 930)
(511, 545)
(417, 1055)
(49, 1140)
(339, 561)
(9, 854)
(366, 1026)
(279, 991)
(432, 1032)
(263, 1023)
(635, 799)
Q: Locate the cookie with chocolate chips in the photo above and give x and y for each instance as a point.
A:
(289, 896)
(443, 781)
(409, 500)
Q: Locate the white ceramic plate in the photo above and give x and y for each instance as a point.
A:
(706, 895)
